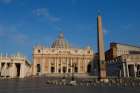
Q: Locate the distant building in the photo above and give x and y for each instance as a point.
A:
(61, 59)
(14, 66)
(118, 49)
(123, 60)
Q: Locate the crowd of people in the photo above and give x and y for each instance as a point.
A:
(94, 82)
(85, 82)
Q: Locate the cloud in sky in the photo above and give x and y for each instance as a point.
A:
(11, 33)
(6, 1)
(43, 12)
(105, 30)
(127, 26)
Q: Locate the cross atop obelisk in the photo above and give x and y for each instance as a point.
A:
(101, 60)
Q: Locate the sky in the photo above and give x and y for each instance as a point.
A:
(27, 23)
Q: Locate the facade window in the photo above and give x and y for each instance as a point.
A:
(38, 50)
(89, 52)
(76, 51)
(53, 50)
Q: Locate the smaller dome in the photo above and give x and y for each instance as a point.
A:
(60, 42)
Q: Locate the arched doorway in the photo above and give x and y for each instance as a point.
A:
(18, 69)
(52, 69)
(38, 68)
(89, 68)
(64, 69)
(76, 69)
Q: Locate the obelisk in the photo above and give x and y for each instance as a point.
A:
(101, 55)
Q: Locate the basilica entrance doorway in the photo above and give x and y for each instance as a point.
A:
(89, 68)
(64, 69)
(52, 69)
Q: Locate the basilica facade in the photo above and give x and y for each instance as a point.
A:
(61, 59)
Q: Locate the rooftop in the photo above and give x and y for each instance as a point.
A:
(125, 44)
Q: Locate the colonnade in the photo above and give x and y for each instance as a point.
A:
(66, 65)
(62, 65)
(131, 69)
(8, 69)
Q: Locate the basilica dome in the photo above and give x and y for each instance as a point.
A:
(60, 42)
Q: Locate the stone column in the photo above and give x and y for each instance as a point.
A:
(78, 65)
(57, 62)
(22, 70)
(124, 70)
(127, 69)
(0, 66)
(135, 70)
(43, 65)
(71, 66)
(12, 70)
(55, 66)
(61, 65)
(49, 65)
(67, 64)
(4, 70)
(85, 65)
(34, 69)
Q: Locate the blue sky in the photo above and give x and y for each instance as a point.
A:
(26, 23)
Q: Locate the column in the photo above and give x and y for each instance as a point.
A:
(71, 66)
(78, 65)
(127, 69)
(57, 62)
(4, 70)
(0, 66)
(85, 62)
(124, 70)
(43, 64)
(49, 65)
(22, 70)
(67, 64)
(34, 70)
(135, 70)
(55, 65)
(61, 65)
(12, 70)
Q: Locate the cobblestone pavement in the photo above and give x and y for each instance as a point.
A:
(39, 85)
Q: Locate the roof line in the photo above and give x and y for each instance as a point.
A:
(124, 44)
